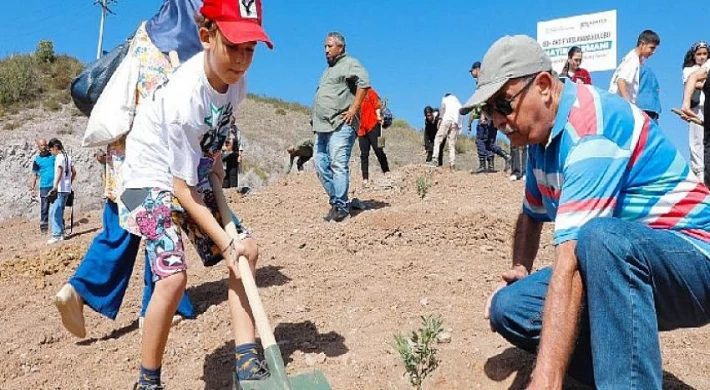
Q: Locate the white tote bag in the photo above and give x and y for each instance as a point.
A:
(113, 113)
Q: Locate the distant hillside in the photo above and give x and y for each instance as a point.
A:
(35, 102)
(38, 80)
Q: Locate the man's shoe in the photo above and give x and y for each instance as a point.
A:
(513, 177)
(55, 240)
(329, 217)
(71, 307)
(340, 215)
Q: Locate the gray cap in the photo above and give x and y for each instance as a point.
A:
(508, 58)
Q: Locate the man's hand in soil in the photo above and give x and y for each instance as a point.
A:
(509, 277)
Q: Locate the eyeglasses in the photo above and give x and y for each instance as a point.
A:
(505, 106)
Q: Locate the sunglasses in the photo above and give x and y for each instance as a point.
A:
(504, 106)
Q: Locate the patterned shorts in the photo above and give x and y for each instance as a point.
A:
(156, 215)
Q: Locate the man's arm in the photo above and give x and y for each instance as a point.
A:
(33, 186)
(354, 109)
(560, 321)
(73, 173)
(526, 242)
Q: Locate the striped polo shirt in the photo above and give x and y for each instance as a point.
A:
(606, 158)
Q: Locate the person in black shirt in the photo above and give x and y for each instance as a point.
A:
(431, 126)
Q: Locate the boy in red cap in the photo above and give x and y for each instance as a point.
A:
(174, 147)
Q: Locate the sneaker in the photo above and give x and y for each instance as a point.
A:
(340, 215)
(452, 167)
(71, 308)
(55, 240)
(329, 217)
(523, 178)
(44, 232)
(259, 375)
(513, 177)
(139, 386)
(365, 183)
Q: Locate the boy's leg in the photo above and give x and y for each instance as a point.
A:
(184, 309)
(248, 365)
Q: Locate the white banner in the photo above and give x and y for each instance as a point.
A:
(594, 33)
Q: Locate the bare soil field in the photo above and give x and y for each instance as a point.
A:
(335, 293)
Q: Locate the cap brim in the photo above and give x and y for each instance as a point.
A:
(241, 32)
(483, 93)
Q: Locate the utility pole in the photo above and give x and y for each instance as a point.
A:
(104, 8)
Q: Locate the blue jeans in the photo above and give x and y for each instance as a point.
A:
(56, 214)
(44, 209)
(102, 277)
(332, 163)
(637, 281)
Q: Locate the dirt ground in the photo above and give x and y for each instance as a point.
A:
(336, 293)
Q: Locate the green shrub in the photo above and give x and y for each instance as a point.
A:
(19, 80)
(45, 52)
(417, 351)
(280, 111)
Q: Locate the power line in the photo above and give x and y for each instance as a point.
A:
(104, 9)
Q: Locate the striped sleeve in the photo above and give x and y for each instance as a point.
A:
(593, 174)
(532, 203)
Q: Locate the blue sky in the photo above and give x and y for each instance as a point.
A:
(414, 50)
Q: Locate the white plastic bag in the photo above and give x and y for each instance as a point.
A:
(113, 113)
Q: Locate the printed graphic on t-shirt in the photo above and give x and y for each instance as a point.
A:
(218, 119)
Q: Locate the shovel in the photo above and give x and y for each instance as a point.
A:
(272, 353)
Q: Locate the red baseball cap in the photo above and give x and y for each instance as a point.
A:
(238, 20)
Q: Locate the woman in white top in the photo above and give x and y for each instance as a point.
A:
(694, 59)
(64, 174)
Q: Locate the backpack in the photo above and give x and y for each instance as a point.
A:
(387, 116)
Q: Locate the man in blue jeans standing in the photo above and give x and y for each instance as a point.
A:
(336, 116)
(43, 168)
(632, 227)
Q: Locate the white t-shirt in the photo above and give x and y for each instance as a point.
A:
(186, 119)
(450, 107)
(687, 71)
(65, 181)
(628, 70)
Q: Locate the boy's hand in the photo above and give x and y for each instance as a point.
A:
(231, 256)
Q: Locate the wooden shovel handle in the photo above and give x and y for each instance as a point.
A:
(257, 308)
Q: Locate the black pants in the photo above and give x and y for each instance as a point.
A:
(231, 178)
(520, 158)
(44, 208)
(370, 140)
